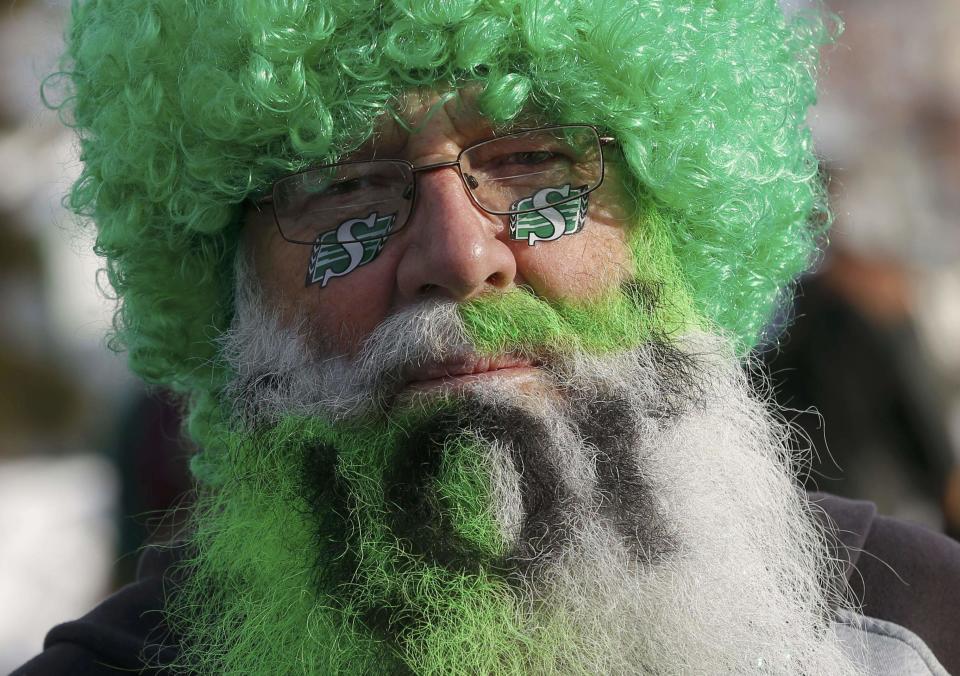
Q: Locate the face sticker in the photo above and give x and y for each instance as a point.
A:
(335, 254)
(549, 222)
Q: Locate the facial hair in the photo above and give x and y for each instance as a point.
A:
(640, 518)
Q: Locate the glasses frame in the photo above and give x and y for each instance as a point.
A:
(271, 198)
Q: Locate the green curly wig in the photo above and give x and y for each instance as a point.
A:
(185, 108)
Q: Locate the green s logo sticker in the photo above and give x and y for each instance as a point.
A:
(549, 222)
(337, 253)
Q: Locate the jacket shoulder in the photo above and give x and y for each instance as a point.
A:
(121, 635)
(901, 572)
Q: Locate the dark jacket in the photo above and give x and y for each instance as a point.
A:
(900, 572)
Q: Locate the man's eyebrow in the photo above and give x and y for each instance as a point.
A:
(398, 131)
(379, 145)
(391, 142)
(528, 118)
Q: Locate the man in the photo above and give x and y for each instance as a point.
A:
(457, 291)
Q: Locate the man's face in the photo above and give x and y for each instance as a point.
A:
(587, 487)
(449, 249)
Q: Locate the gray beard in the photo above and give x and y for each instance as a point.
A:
(651, 503)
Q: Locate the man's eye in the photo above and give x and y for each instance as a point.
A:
(344, 187)
(352, 190)
(531, 158)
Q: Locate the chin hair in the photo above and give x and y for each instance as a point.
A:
(641, 517)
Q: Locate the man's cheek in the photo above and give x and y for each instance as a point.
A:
(342, 315)
(582, 268)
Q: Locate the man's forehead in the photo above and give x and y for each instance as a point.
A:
(415, 111)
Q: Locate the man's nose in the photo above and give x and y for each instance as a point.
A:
(453, 247)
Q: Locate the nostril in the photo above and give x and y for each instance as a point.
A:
(427, 289)
(497, 280)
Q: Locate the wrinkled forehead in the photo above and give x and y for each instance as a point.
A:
(457, 114)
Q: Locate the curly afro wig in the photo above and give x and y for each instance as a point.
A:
(185, 108)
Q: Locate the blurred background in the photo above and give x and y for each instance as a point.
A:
(87, 456)
(869, 373)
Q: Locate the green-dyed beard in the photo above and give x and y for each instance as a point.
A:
(295, 563)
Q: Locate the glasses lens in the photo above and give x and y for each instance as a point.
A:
(505, 173)
(359, 200)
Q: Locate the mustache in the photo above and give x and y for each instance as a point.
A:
(278, 371)
(412, 339)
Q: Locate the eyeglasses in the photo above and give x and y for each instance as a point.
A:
(372, 199)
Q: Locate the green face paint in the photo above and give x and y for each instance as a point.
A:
(337, 253)
(549, 222)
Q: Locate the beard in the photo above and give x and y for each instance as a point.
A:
(635, 512)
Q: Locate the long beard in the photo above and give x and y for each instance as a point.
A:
(639, 517)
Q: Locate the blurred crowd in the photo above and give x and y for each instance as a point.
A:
(869, 372)
(869, 369)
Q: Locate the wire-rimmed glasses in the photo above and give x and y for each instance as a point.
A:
(372, 199)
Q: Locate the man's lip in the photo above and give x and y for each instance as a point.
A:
(464, 368)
